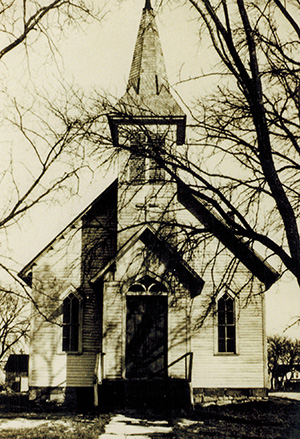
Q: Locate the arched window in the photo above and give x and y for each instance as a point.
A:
(71, 323)
(147, 285)
(226, 324)
(137, 288)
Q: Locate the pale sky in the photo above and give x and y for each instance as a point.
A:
(99, 58)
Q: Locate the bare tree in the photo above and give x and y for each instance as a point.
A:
(26, 22)
(239, 167)
(283, 356)
(252, 123)
(51, 152)
(40, 157)
(242, 160)
(14, 322)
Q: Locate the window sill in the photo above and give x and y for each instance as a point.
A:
(69, 353)
(226, 354)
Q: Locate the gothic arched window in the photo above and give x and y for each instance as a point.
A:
(71, 323)
(226, 324)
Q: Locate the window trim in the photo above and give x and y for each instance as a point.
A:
(217, 352)
(148, 287)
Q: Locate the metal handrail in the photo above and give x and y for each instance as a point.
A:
(188, 370)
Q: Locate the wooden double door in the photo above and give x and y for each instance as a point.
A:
(146, 337)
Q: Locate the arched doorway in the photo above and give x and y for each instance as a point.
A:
(146, 340)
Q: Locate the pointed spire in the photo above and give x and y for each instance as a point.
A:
(148, 91)
(148, 5)
(148, 72)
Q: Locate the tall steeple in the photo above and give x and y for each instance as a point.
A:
(148, 71)
(148, 98)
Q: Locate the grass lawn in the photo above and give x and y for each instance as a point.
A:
(273, 419)
(53, 426)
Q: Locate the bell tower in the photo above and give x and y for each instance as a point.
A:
(146, 124)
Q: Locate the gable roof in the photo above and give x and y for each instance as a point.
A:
(158, 245)
(259, 268)
(25, 273)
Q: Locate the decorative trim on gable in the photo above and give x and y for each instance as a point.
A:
(175, 262)
(71, 289)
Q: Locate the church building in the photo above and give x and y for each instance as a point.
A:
(127, 310)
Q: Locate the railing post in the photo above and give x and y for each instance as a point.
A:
(98, 376)
(190, 366)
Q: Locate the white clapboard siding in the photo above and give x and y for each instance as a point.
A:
(244, 369)
(112, 330)
(177, 335)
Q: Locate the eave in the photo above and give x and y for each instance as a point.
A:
(247, 256)
(116, 120)
(26, 273)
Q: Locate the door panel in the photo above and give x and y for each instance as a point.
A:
(146, 337)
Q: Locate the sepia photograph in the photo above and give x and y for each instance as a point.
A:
(150, 219)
